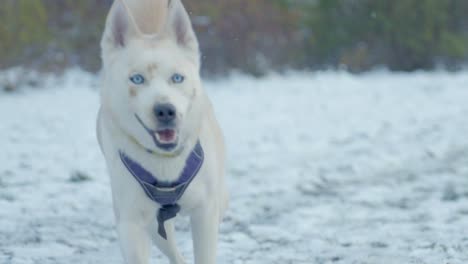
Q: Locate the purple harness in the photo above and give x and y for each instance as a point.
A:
(163, 193)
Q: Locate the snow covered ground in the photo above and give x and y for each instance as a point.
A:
(323, 168)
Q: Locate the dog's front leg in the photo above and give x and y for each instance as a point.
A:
(205, 226)
(134, 242)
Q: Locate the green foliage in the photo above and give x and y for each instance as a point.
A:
(23, 29)
(402, 34)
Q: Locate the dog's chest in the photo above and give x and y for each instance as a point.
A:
(166, 194)
(163, 169)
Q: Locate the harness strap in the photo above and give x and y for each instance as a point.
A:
(165, 213)
(166, 194)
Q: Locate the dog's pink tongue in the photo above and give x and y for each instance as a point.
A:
(167, 135)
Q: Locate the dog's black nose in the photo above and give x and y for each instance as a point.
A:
(165, 113)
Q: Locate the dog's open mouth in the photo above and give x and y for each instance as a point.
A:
(166, 136)
(166, 139)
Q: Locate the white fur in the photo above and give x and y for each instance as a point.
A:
(173, 49)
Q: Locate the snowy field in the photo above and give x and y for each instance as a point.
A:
(322, 168)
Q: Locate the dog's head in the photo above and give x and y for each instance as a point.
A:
(151, 76)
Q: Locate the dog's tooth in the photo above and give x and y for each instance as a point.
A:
(157, 136)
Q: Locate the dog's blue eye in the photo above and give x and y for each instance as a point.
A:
(177, 78)
(137, 79)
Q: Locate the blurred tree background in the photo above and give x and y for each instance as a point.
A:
(255, 36)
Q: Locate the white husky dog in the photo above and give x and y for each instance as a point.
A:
(156, 127)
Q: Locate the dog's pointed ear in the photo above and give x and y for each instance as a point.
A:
(120, 26)
(179, 27)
